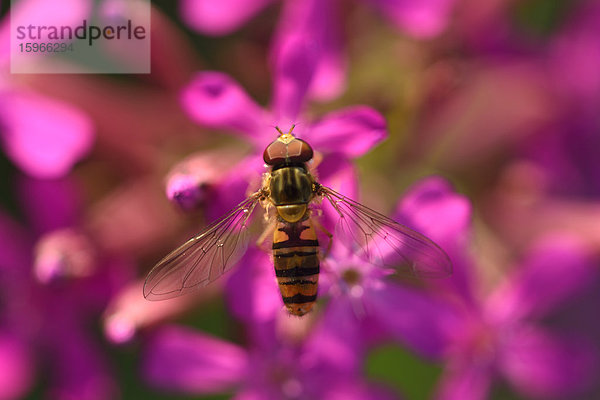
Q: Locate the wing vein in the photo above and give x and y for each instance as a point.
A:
(193, 264)
(385, 242)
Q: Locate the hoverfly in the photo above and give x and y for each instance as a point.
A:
(291, 189)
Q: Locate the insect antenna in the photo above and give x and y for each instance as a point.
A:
(281, 132)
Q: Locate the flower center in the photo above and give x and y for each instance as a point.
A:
(214, 89)
(351, 276)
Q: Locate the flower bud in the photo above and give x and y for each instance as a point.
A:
(64, 253)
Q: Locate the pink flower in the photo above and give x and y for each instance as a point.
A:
(500, 334)
(483, 337)
(43, 136)
(214, 100)
(318, 22)
(420, 19)
(270, 368)
(219, 180)
(361, 296)
(16, 367)
(375, 302)
(48, 324)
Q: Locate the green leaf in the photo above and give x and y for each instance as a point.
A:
(411, 376)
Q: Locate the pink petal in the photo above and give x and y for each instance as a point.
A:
(534, 290)
(417, 319)
(219, 17)
(40, 13)
(545, 366)
(419, 18)
(190, 181)
(336, 340)
(64, 254)
(183, 360)
(433, 208)
(16, 368)
(575, 55)
(294, 66)
(318, 20)
(352, 131)
(329, 81)
(253, 294)
(43, 136)
(79, 367)
(215, 100)
(128, 311)
(242, 179)
(338, 173)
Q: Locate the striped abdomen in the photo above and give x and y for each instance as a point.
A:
(296, 259)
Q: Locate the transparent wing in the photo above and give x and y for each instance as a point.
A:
(203, 258)
(382, 241)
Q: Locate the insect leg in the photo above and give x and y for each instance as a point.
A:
(320, 226)
(333, 203)
(266, 233)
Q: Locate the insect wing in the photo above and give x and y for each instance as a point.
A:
(203, 258)
(382, 241)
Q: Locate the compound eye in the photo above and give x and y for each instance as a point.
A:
(275, 153)
(299, 151)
